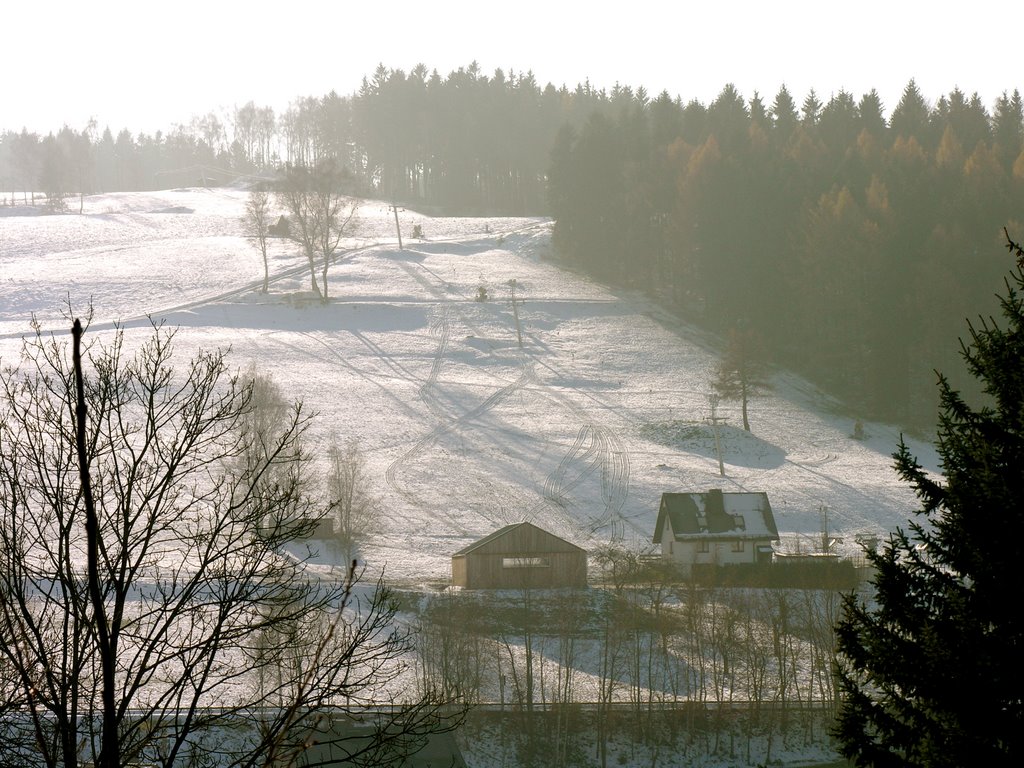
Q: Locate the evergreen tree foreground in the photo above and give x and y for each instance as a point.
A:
(930, 670)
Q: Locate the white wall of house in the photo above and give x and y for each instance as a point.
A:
(706, 551)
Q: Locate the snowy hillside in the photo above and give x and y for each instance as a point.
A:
(579, 431)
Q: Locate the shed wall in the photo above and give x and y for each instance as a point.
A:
(490, 571)
(459, 571)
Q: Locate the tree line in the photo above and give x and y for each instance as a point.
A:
(854, 244)
(467, 142)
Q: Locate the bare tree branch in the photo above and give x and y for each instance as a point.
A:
(155, 601)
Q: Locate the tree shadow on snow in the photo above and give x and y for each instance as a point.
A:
(739, 447)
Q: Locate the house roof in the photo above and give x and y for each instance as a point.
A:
(539, 540)
(715, 514)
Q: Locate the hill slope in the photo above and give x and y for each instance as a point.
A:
(580, 430)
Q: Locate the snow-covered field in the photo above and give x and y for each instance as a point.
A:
(579, 431)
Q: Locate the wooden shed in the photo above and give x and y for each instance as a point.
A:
(518, 556)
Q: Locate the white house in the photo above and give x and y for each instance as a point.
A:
(715, 528)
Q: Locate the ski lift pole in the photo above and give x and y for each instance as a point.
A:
(398, 228)
(713, 399)
(515, 311)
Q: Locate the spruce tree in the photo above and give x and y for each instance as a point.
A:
(930, 669)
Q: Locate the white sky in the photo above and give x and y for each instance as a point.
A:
(147, 65)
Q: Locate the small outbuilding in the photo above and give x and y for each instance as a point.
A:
(715, 528)
(518, 556)
(281, 229)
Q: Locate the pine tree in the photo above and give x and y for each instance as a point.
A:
(930, 669)
(911, 116)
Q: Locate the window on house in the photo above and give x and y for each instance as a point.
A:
(702, 546)
(525, 562)
(737, 546)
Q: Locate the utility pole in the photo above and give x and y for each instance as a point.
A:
(515, 311)
(398, 228)
(713, 399)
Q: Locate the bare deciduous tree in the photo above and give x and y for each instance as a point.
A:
(742, 373)
(320, 215)
(454, 654)
(257, 225)
(146, 579)
(354, 507)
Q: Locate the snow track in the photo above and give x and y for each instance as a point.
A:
(392, 472)
(605, 453)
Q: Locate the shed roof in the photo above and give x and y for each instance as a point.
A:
(715, 514)
(548, 541)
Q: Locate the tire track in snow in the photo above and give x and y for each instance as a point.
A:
(818, 461)
(415, 272)
(607, 454)
(496, 236)
(614, 485)
(400, 371)
(391, 474)
(345, 363)
(448, 421)
(555, 486)
(440, 328)
(606, 451)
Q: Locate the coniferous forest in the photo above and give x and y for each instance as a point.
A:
(853, 236)
(854, 244)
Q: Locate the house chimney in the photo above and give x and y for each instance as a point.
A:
(714, 509)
